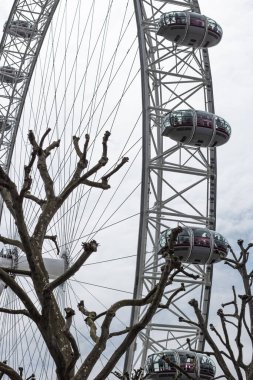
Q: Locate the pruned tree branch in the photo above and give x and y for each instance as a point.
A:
(15, 312)
(78, 178)
(208, 353)
(227, 342)
(40, 202)
(8, 191)
(43, 138)
(76, 354)
(137, 374)
(5, 369)
(210, 341)
(153, 299)
(13, 242)
(53, 238)
(89, 248)
(53, 145)
(170, 299)
(55, 331)
(98, 185)
(90, 321)
(108, 175)
(33, 312)
(41, 165)
(237, 319)
(212, 328)
(83, 162)
(118, 333)
(234, 302)
(7, 198)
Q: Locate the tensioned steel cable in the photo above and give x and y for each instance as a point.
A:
(108, 203)
(97, 80)
(105, 227)
(46, 71)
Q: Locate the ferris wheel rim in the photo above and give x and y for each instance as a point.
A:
(140, 271)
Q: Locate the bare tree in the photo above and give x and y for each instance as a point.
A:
(232, 341)
(55, 328)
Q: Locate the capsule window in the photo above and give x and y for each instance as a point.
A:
(187, 118)
(170, 18)
(207, 366)
(159, 363)
(162, 21)
(204, 119)
(183, 238)
(165, 362)
(167, 121)
(220, 124)
(213, 26)
(176, 118)
(180, 18)
(197, 21)
(201, 237)
(190, 364)
(173, 18)
(220, 242)
(164, 237)
(228, 128)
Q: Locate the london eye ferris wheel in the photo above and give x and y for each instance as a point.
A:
(82, 68)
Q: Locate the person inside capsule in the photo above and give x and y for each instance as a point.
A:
(190, 364)
(169, 359)
(201, 237)
(173, 18)
(220, 243)
(183, 238)
(213, 26)
(197, 20)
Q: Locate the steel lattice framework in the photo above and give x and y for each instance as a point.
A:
(20, 54)
(172, 78)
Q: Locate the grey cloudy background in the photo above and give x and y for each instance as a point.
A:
(231, 63)
(232, 73)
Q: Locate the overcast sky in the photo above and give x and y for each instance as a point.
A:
(233, 83)
(231, 63)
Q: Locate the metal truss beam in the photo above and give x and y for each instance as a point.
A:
(179, 182)
(19, 54)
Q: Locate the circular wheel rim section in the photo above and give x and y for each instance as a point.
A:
(21, 55)
(173, 78)
(101, 75)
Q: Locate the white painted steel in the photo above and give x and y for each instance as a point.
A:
(54, 267)
(20, 54)
(170, 176)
